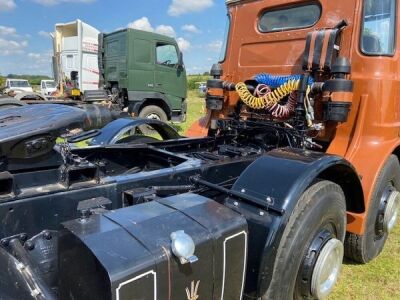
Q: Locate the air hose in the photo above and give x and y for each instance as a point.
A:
(269, 99)
(274, 81)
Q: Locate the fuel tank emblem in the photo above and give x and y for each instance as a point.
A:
(192, 293)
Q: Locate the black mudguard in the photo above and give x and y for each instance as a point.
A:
(279, 178)
(114, 129)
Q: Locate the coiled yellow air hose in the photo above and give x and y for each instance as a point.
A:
(269, 99)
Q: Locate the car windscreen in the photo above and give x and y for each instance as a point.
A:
(50, 84)
(19, 83)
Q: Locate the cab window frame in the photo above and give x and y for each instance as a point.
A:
(224, 49)
(395, 23)
(172, 66)
(287, 7)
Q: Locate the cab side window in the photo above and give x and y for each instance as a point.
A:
(379, 27)
(167, 55)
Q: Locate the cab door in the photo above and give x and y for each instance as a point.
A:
(170, 78)
(141, 66)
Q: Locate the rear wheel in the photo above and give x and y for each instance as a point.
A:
(310, 254)
(382, 215)
(152, 112)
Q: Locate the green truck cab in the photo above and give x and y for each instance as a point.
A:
(144, 72)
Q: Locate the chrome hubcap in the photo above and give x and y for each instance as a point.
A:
(391, 211)
(153, 116)
(327, 269)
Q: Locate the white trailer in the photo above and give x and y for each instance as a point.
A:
(75, 49)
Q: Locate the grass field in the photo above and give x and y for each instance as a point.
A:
(196, 108)
(379, 279)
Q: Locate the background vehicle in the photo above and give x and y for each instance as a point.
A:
(15, 86)
(145, 72)
(48, 87)
(75, 63)
(142, 71)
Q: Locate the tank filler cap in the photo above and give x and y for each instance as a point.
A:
(183, 247)
(216, 71)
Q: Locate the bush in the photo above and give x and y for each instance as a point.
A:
(194, 80)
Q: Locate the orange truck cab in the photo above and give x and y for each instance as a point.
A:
(330, 69)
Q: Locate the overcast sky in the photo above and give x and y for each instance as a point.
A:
(26, 47)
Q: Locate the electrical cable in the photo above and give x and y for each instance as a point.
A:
(275, 81)
(269, 99)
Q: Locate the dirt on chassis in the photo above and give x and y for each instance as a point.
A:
(247, 213)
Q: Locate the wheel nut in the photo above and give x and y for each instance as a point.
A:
(47, 235)
(29, 245)
(23, 237)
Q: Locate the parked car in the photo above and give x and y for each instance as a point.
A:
(15, 86)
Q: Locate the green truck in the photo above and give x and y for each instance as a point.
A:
(144, 73)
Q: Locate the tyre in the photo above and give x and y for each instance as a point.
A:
(152, 112)
(10, 103)
(381, 218)
(310, 253)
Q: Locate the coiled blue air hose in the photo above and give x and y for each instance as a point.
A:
(276, 81)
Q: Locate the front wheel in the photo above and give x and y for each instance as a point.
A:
(310, 254)
(151, 112)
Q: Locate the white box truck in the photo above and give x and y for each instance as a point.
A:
(75, 50)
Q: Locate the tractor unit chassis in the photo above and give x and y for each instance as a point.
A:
(103, 221)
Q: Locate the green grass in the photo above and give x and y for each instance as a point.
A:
(380, 279)
(196, 108)
(377, 280)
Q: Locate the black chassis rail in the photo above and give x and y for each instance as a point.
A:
(47, 207)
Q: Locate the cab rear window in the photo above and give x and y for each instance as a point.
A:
(289, 18)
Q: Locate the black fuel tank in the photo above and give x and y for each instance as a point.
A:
(126, 254)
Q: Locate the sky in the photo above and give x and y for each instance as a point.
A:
(25, 27)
